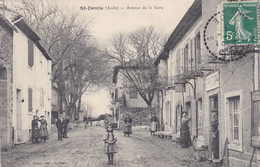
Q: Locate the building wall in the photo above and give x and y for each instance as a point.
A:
(123, 85)
(178, 100)
(223, 80)
(236, 78)
(37, 78)
(6, 56)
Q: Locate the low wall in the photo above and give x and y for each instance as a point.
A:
(140, 116)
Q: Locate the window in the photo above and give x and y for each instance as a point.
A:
(200, 117)
(178, 62)
(42, 97)
(234, 119)
(197, 49)
(234, 123)
(168, 113)
(178, 119)
(185, 58)
(30, 108)
(191, 56)
(132, 92)
(30, 53)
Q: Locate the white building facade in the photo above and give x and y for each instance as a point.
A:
(31, 80)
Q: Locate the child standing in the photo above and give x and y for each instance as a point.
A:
(110, 144)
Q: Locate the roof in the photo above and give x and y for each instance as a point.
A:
(4, 21)
(117, 68)
(43, 50)
(189, 19)
(27, 30)
(14, 20)
(115, 72)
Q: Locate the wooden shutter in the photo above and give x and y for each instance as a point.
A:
(30, 99)
(30, 53)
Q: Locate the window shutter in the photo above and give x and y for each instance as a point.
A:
(30, 53)
(30, 100)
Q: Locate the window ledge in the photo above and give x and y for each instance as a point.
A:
(235, 147)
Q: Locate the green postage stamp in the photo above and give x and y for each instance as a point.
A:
(240, 23)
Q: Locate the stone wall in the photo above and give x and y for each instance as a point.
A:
(140, 116)
(6, 100)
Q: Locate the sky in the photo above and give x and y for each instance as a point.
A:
(163, 14)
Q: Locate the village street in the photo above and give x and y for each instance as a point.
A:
(84, 147)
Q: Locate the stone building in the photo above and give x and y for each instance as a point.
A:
(6, 80)
(26, 80)
(126, 100)
(214, 86)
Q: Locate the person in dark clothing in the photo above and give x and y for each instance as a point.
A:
(77, 121)
(154, 122)
(90, 120)
(185, 132)
(43, 132)
(215, 137)
(35, 130)
(60, 125)
(128, 125)
(66, 124)
(85, 120)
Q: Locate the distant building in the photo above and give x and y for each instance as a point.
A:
(126, 100)
(25, 78)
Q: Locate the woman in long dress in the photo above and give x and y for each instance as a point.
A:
(35, 130)
(128, 125)
(185, 132)
(237, 20)
(43, 129)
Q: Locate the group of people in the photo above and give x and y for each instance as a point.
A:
(87, 120)
(185, 140)
(39, 131)
(62, 125)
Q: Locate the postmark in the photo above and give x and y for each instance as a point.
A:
(235, 31)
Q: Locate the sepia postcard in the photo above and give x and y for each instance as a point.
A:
(129, 83)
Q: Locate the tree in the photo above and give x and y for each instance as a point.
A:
(135, 53)
(87, 66)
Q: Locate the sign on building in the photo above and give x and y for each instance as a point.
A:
(180, 87)
(212, 81)
(240, 23)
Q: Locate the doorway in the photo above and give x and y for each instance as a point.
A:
(214, 117)
(189, 115)
(18, 116)
(178, 119)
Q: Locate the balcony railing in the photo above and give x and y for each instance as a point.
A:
(186, 75)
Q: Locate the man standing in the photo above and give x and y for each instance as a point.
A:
(66, 124)
(85, 120)
(60, 124)
(215, 137)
